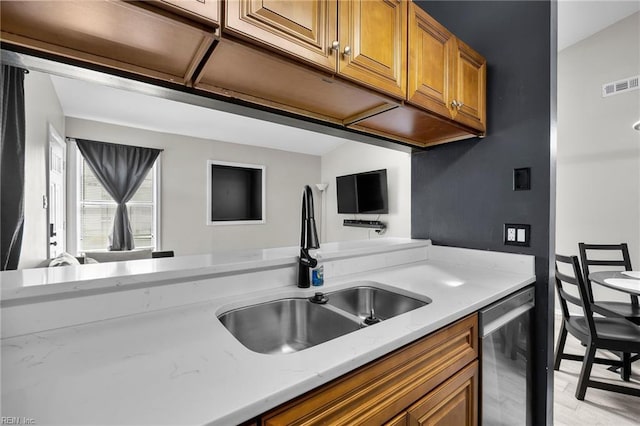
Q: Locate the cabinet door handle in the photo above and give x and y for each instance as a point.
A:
(454, 104)
(335, 46)
(460, 104)
(347, 51)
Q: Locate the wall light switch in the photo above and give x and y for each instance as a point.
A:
(517, 234)
(522, 179)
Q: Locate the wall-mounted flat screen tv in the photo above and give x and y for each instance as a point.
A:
(363, 193)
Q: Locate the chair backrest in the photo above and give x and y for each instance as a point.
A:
(589, 259)
(576, 280)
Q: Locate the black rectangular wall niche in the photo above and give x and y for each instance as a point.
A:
(235, 193)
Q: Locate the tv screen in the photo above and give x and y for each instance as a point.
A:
(363, 193)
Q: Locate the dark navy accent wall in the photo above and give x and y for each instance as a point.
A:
(462, 192)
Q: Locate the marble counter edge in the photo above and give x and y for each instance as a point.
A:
(13, 288)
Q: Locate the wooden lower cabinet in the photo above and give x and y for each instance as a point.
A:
(455, 402)
(430, 381)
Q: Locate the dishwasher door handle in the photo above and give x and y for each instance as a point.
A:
(504, 319)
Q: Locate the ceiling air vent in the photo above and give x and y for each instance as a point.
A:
(620, 86)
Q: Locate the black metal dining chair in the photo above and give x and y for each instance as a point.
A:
(613, 334)
(630, 311)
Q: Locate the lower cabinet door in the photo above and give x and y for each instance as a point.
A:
(454, 403)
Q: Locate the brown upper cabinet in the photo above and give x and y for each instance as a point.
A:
(373, 44)
(430, 63)
(302, 29)
(446, 76)
(205, 11)
(383, 67)
(361, 40)
(132, 37)
(470, 91)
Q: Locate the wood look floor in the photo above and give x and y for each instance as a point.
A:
(599, 407)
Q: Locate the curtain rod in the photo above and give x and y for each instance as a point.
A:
(68, 139)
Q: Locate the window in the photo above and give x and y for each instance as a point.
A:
(96, 209)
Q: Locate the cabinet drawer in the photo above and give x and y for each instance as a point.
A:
(454, 403)
(380, 390)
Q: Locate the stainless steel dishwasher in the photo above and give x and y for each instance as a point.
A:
(505, 333)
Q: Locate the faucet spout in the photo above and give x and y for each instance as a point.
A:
(308, 233)
(308, 238)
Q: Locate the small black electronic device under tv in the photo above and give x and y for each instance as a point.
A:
(374, 224)
(363, 193)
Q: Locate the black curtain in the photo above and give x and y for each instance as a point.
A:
(121, 170)
(12, 166)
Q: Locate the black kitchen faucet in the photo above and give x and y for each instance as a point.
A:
(308, 239)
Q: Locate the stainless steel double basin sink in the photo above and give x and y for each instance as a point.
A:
(295, 323)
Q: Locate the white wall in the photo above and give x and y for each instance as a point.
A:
(183, 180)
(358, 157)
(41, 108)
(598, 163)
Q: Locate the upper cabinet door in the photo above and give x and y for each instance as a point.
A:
(373, 43)
(305, 29)
(430, 63)
(203, 10)
(470, 93)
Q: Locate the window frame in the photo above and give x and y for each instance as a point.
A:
(77, 202)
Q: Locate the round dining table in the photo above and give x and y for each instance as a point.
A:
(618, 280)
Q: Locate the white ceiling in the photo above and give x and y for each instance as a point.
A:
(579, 19)
(92, 101)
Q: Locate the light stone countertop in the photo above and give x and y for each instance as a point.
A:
(39, 282)
(181, 366)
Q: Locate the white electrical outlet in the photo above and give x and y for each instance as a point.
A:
(517, 234)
